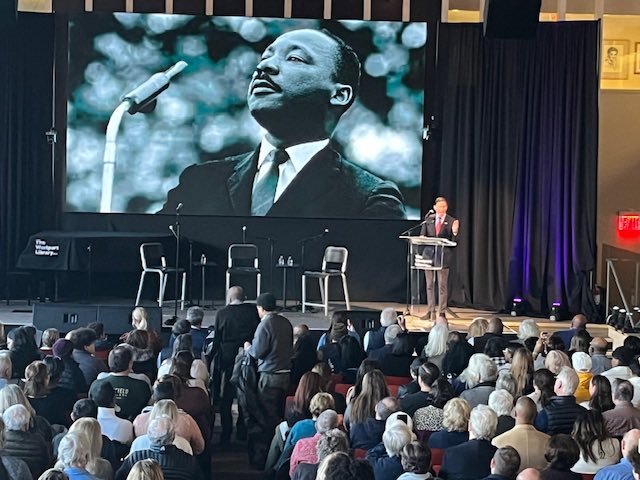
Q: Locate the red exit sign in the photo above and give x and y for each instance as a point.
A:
(629, 222)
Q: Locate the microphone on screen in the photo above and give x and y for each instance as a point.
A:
(180, 205)
(146, 92)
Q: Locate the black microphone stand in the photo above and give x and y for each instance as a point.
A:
(174, 319)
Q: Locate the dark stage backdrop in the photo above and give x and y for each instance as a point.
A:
(518, 159)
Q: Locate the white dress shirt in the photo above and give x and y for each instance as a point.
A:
(299, 156)
(114, 427)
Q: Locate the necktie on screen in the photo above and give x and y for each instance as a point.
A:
(438, 225)
(265, 189)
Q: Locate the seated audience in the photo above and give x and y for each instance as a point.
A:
(304, 352)
(186, 427)
(339, 326)
(45, 402)
(430, 418)
(390, 335)
(132, 393)
(505, 464)
(545, 344)
(143, 355)
(365, 367)
(437, 344)
(368, 434)
(529, 442)
(140, 322)
(427, 375)
(494, 329)
(182, 366)
(89, 428)
(307, 428)
(529, 474)
(522, 371)
(146, 470)
(501, 402)
(13, 395)
(455, 423)
(622, 470)
(175, 464)
(22, 350)
(477, 328)
(415, 458)
(457, 357)
(494, 349)
(578, 323)
(198, 369)
(195, 316)
(16, 468)
(579, 343)
(600, 393)
(305, 449)
(374, 339)
(114, 427)
(191, 400)
(556, 360)
(374, 389)
(49, 337)
(102, 342)
(328, 384)
(412, 387)
(5, 369)
(472, 459)
(561, 412)
(599, 360)
(398, 362)
(181, 327)
(385, 459)
(582, 365)
(84, 346)
(624, 416)
(350, 356)
(64, 397)
(562, 453)
(168, 409)
(341, 466)
(620, 361)
(20, 443)
(507, 382)
(310, 384)
(597, 448)
(74, 455)
(528, 328)
(72, 377)
(484, 384)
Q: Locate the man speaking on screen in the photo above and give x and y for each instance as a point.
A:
(305, 81)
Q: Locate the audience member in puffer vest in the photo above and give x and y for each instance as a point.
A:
(72, 377)
(15, 468)
(561, 412)
(22, 444)
(368, 434)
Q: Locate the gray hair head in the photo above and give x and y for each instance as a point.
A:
(569, 380)
(501, 402)
(161, 431)
(195, 315)
(487, 371)
(528, 328)
(391, 333)
(388, 317)
(483, 422)
(326, 421)
(395, 437)
(331, 441)
(74, 450)
(17, 418)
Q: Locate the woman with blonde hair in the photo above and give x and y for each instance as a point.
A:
(187, 438)
(522, 371)
(5, 369)
(455, 423)
(74, 456)
(90, 429)
(140, 321)
(556, 360)
(477, 328)
(13, 395)
(146, 470)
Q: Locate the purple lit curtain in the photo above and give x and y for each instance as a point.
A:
(517, 132)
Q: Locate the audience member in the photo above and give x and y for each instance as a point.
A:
(53, 474)
(455, 423)
(505, 464)
(16, 468)
(385, 459)
(427, 375)
(528, 329)
(416, 462)
(102, 342)
(192, 400)
(562, 453)
(507, 382)
(49, 337)
(74, 455)
(398, 362)
(340, 466)
(310, 384)
(522, 371)
(485, 383)
(477, 328)
(621, 358)
(305, 355)
(597, 448)
(556, 360)
(307, 428)
(472, 459)
(72, 377)
(12, 395)
(437, 344)
(494, 349)
(174, 463)
(562, 410)
(46, 403)
(365, 367)
(529, 442)
(20, 443)
(195, 316)
(412, 387)
(501, 402)
(546, 343)
(140, 322)
(328, 384)
(5, 369)
(350, 355)
(582, 365)
(84, 347)
(494, 329)
(624, 416)
(390, 335)
(431, 417)
(339, 326)
(600, 393)
(89, 428)
(197, 368)
(305, 449)
(142, 354)
(579, 322)
(622, 470)
(374, 389)
(132, 393)
(65, 398)
(366, 435)
(599, 360)
(22, 349)
(146, 470)
(580, 343)
(374, 339)
(114, 427)
(529, 474)
(457, 357)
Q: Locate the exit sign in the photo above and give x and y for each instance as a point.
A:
(629, 222)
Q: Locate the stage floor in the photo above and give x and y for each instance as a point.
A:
(19, 313)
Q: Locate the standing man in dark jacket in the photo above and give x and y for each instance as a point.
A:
(235, 324)
(272, 347)
(558, 416)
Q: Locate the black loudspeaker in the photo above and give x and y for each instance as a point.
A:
(69, 316)
(511, 18)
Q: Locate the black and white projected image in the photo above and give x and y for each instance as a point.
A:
(253, 87)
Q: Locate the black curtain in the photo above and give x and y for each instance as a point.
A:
(27, 202)
(518, 132)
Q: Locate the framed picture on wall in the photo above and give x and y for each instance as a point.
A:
(636, 59)
(614, 59)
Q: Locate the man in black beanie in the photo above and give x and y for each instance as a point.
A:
(272, 347)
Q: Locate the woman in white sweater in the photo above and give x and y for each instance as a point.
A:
(597, 448)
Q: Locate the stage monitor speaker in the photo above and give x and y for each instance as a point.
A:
(511, 18)
(69, 316)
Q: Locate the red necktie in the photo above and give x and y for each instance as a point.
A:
(438, 226)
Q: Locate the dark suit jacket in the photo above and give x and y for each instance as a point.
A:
(429, 229)
(328, 186)
(468, 461)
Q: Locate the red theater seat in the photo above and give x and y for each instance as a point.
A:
(393, 390)
(588, 476)
(359, 453)
(342, 388)
(397, 380)
(436, 459)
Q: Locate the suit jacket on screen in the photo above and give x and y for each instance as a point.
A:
(328, 186)
(446, 231)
